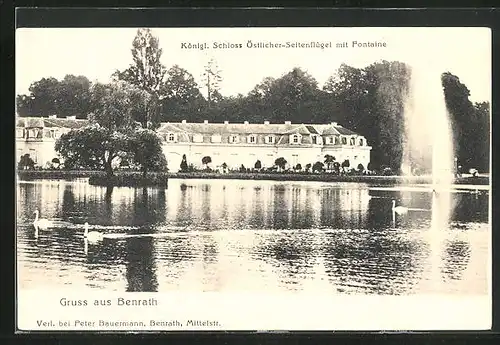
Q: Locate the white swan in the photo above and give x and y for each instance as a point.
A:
(42, 223)
(92, 236)
(398, 209)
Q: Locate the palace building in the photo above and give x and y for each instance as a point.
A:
(235, 144)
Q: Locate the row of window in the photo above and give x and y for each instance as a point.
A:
(252, 139)
(37, 133)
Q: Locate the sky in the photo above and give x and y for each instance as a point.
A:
(97, 52)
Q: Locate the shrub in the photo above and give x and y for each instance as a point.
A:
(130, 180)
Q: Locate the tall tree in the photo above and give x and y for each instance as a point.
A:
(211, 80)
(389, 85)
(146, 71)
(483, 133)
(465, 123)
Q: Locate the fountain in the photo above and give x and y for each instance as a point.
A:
(429, 141)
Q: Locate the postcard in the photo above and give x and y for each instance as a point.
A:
(263, 179)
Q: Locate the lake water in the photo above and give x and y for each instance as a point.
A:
(227, 235)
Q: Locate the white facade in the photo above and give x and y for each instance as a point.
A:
(233, 144)
(244, 144)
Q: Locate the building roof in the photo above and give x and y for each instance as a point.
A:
(184, 129)
(41, 122)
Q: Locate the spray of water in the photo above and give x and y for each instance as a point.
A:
(428, 146)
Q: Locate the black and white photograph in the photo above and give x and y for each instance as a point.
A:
(253, 178)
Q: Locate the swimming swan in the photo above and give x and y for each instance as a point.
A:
(398, 209)
(42, 223)
(92, 236)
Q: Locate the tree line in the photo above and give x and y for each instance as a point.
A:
(369, 101)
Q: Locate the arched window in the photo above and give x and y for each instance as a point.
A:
(344, 141)
(361, 142)
(353, 141)
(171, 137)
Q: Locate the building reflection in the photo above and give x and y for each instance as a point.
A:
(219, 205)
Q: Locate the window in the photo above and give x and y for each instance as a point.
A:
(252, 139)
(331, 140)
(352, 141)
(216, 138)
(314, 139)
(171, 137)
(270, 139)
(233, 139)
(344, 141)
(361, 142)
(337, 141)
(198, 138)
(295, 139)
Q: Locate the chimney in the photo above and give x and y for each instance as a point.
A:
(334, 124)
(246, 122)
(205, 121)
(184, 121)
(288, 122)
(266, 122)
(52, 116)
(226, 122)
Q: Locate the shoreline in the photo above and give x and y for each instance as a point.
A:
(99, 178)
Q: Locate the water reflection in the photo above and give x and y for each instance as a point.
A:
(253, 235)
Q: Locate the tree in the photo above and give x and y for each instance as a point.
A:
(145, 108)
(184, 165)
(181, 96)
(145, 146)
(470, 123)
(308, 167)
(329, 160)
(293, 97)
(146, 71)
(258, 165)
(212, 79)
(25, 162)
(206, 160)
(280, 163)
(107, 136)
(336, 167)
(482, 110)
(56, 162)
(92, 147)
(317, 167)
(48, 96)
(73, 97)
(113, 106)
(361, 167)
(298, 167)
(346, 164)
